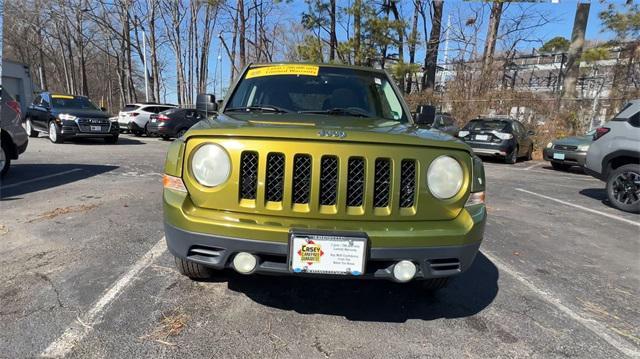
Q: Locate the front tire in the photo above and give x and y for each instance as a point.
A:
(560, 166)
(623, 188)
(191, 269)
(111, 140)
(28, 126)
(54, 136)
(5, 159)
(512, 158)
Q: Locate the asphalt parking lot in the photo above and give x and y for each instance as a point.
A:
(85, 273)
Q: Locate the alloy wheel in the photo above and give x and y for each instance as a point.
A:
(3, 159)
(626, 187)
(53, 134)
(27, 126)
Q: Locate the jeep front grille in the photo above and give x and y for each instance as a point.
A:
(352, 175)
(328, 180)
(301, 179)
(355, 182)
(248, 175)
(382, 182)
(407, 183)
(274, 185)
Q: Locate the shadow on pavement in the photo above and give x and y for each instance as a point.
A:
(576, 170)
(599, 194)
(99, 141)
(27, 178)
(374, 300)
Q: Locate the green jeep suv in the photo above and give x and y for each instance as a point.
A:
(319, 170)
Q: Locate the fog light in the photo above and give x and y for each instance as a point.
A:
(244, 262)
(404, 271)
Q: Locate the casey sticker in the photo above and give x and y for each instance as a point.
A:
(310, 252)
(303, 70)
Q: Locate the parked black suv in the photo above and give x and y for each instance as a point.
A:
(173, 123)
(499, 137)
(65, 117)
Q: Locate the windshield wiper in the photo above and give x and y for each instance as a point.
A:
(266, 108)
(339, 111)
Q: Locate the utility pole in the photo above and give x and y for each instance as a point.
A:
(144, 60)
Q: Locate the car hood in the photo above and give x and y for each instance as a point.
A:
(81, 113)
(574, 141)
(323, 128)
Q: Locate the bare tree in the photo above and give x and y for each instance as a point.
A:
(575, 50)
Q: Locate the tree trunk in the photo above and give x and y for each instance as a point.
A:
(400, 44)
(357, 29)
(243, 33)
(575, 50)
(333, 39)
(431, 58)
(492, 36)
(413, 38)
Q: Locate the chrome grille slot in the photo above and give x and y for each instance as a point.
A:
(328, 180)
(407, 183)
(274, 185)
(301, 179)
(355, 182)
(248, 175)
(382, 182)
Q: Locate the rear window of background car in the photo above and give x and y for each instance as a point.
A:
(491, 125)
(130, 108)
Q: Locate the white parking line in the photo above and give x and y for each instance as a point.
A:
(78, 330)
(612, 216)
(533, 166)
(591, 324)
(40, 178)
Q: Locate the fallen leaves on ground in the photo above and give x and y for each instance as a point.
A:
(170, 325)
(64, 210)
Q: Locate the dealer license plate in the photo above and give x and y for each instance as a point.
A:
(482, 137)
(558, 156)
(96, 128)
(327, 254)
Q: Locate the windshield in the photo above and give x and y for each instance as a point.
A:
(317, 90)
(490, 125)
(80, 103)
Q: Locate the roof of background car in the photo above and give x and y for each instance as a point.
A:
(364, 68)
(52, 94)
(495, 118)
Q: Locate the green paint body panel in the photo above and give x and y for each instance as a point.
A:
(430, 222)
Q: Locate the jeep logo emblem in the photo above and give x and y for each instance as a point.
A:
(332, 133)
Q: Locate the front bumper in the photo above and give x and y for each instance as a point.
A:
(439, 248)
(71, 130)
(573, 158)
(160, 128)
(501, 149)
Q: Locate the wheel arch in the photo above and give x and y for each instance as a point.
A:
(619, 158)
(5, 138)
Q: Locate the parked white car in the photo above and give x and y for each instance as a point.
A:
(135, 117)
(614, 157)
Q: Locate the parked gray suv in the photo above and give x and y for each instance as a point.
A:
(614, 157)
(13, 138)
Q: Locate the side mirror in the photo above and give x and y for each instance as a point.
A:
(206, 103)
(531, 133)
(425, 114)
(103, 109)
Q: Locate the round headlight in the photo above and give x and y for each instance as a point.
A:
(211, 165)
(444, 177)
